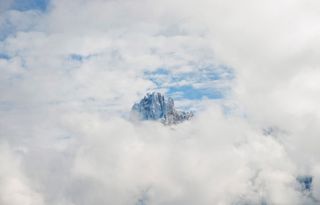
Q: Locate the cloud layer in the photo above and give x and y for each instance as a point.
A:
(71, 72)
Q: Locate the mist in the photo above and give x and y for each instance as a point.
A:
(71, 71)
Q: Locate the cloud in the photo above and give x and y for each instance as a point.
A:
(70, 74)
(5, 4)
(15, 186)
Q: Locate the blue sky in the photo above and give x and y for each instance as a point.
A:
(210, 82)
(23, 5)
(4, 56)
(10, 22)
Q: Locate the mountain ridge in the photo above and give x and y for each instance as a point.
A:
(155, 106)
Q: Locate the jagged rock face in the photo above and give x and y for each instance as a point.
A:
(155, 106)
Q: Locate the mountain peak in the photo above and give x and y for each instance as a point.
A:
(155, 106)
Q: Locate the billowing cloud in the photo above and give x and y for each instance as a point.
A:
(71, 70)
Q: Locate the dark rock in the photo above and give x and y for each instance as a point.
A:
(155, 106)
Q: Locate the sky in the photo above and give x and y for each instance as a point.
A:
(71, 71)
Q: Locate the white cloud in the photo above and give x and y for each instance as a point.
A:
(65, 142)
(15, 187)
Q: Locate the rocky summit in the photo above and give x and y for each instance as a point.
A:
(155, 106)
